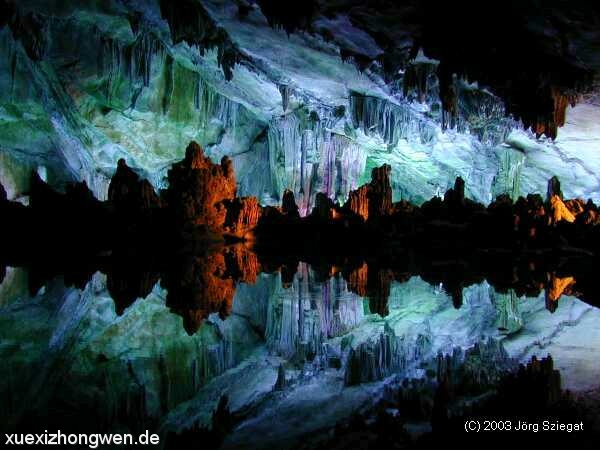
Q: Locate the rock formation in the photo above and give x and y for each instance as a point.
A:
(373, 200)
(128, 193)
(560, 211)
(558, 287)
(197, 287)
(288, 205)
(324, 207)
(243, 215)
(198, 190)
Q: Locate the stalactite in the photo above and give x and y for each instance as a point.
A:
(508, 177)
(212, 105)
(168, 72)
(285, 91)
(448, 96)
(307, 157)
(416, 78)
(390, 121)
(483, 114)
(190, 22)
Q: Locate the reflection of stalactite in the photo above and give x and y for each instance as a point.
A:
(373, 361)
(509, 316)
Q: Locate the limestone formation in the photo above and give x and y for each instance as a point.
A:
(130, 194)
(324, 207)
(243, 215)
(199, 189)
(288, 205)
(373, 200)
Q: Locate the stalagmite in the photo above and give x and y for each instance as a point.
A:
(243, 215)
(374, 199)
(130, 194)
(289, 206)
(198, 189)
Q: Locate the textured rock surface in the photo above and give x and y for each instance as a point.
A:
(374, 199)
(129, 81)
(199, 190)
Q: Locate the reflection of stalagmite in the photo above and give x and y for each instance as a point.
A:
(201, 284)
(357, 280)
(126, 284)
(374, 284)
(197, 288)
(509, 316)
(242, 264)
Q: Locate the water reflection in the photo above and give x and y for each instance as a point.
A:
(157, 344)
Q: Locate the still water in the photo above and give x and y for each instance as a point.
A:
(301, 352)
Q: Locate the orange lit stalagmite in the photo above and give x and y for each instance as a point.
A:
(373, 199)
(565, 210)
(242, 217)
(560, 211)
(358, 202)
(198, 189)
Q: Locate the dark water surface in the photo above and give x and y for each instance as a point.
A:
(301, 348)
